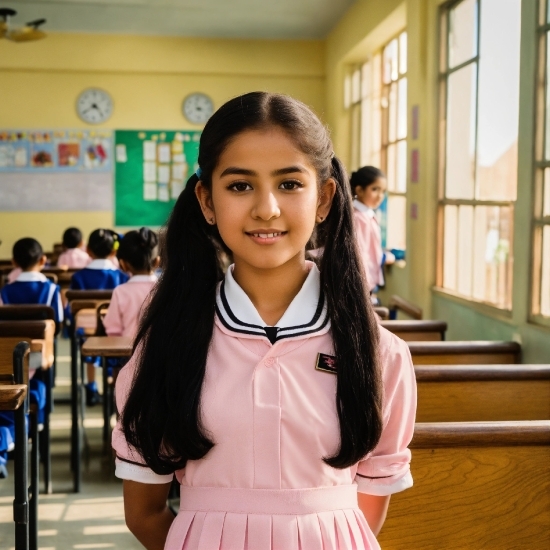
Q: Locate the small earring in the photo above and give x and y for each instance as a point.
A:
(211, 221)
(320, 219)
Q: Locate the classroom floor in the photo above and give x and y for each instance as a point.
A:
(95, 517)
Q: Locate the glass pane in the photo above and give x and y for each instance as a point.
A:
(366, 80)
(390, 61)
(546, 193)
(461, 105)
(450, 241)
(403, 53)
(545, 282)
(401, 166)
(396, 223)
(498, 100)
(547, 132)
(376, 130)
(392, 113)
(355, 135)
(391, 168)
(548, 11)
(402, 109)
(465, 249)
(492, 255)
(377, 72)
(462, 32)
(347, 91)
(366, 132)
(356, 86)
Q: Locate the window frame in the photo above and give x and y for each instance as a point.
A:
(355, 110)
(444, 71)
(539, 221)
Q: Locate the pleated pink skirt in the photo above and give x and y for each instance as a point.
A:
(326, 518)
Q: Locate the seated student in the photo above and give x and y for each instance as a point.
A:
(138, 255)
(73, 255)
(99, 274)
(30, 287)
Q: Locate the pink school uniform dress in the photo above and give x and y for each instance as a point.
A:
(123, 315)
(369, 240)
(74, 258)
(272, 416)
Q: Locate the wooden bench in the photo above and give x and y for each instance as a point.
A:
(477, 485)
(465, 353)
(382, 312)
(463, 393)
(400, 304)
(417, 330)
(14, 375)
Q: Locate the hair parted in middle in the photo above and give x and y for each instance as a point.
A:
(162, 417)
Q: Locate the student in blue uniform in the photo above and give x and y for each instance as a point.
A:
(100, 274)
(30, 287)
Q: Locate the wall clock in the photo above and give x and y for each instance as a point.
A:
(94, 106)
(197, 108)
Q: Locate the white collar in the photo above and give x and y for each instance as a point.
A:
(358, 205)
(31, 277)
(307, 313)
(103, 263)
(143, 279)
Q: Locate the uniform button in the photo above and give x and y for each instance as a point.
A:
(269, 361)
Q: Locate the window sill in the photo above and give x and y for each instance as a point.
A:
(540, 321)
(504, 315)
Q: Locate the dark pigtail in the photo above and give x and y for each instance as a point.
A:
(161, 418)
(354, 331)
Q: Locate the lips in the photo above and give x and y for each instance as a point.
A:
(266, 236)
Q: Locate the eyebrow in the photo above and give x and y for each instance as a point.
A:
(236, 171)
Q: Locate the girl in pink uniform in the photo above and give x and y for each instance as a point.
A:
(368, 187)
(138, 255)
(73, 255)
(271, 393)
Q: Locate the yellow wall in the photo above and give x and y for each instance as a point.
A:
(148, 77)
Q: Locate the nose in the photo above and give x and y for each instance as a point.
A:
(266, 207)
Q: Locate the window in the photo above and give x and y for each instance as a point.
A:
(479, 111)
(376, 95)
(541, 226)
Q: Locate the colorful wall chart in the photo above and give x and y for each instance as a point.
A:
(151, 169)
(55, 150)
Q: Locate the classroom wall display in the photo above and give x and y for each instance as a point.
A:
(151, 168)
(55, 151)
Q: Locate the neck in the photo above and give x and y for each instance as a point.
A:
(271, 290)
(142, 272)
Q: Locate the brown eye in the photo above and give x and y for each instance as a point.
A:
(290, 185)
(240, 186)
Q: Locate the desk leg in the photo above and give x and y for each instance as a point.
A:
(106, 397)
(21, 478)
(45, 437)
(75, 425)
(34, 489)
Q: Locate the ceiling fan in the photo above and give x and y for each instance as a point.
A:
(31, 31)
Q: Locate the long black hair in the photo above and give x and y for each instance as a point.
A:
(162, 418)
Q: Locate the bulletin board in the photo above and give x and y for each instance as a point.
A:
(151, 169)
(59, 151)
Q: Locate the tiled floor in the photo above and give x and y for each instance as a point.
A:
(95, 517)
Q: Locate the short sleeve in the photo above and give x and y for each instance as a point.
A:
(129, 463)
(113, 319)
(386, 470)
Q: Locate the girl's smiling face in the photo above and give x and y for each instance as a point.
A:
(265, 198)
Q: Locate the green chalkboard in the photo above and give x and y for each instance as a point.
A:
(151, 169)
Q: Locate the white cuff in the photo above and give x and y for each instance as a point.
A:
(142, 474)
(377, 488)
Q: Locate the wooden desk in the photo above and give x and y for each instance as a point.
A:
(12, 396)
(107, 346)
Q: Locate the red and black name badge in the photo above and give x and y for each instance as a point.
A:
(326, 363)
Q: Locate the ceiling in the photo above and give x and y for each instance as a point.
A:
(213, 18)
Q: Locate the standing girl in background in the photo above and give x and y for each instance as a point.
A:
(368, 187)
(270, 392)
(138, 255)
(99, 274)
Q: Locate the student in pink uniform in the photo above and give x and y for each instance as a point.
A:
(73, 256)
(272, 394)
(368, 187)
(138, 255)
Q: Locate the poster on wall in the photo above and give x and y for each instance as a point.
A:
(55, 150)
(151, 169)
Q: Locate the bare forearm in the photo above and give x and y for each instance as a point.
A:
(374, 509)
(153, 530)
